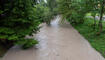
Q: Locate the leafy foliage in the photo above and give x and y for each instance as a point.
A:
(50, 11)
(75, 12)
(18, 19)
(86, 30)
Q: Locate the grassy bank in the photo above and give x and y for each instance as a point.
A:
(97, 41)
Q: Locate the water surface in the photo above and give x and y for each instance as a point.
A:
(56, 42)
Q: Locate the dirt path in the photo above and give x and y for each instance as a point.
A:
(57, 42)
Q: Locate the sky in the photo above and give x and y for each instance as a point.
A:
(45, 1)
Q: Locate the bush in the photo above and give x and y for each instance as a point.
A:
(43, 13)
(27, 43)
(18, 19)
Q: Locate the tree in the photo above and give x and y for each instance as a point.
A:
(18, 19)
(73, 11)
(101, 16)
(93, 9)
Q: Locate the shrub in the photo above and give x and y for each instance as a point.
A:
(18, 19)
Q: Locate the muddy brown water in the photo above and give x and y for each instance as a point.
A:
(56, 42)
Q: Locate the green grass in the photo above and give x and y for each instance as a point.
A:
(96, 41)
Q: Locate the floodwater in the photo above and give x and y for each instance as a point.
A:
(56, 42)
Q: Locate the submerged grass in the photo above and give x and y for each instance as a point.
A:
(97, 41)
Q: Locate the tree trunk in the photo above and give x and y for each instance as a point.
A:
(101, 16)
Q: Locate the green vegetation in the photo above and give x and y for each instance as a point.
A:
(76, 11)
(19, 18)
(97, 41)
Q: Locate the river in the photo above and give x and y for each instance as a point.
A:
(56, 42)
